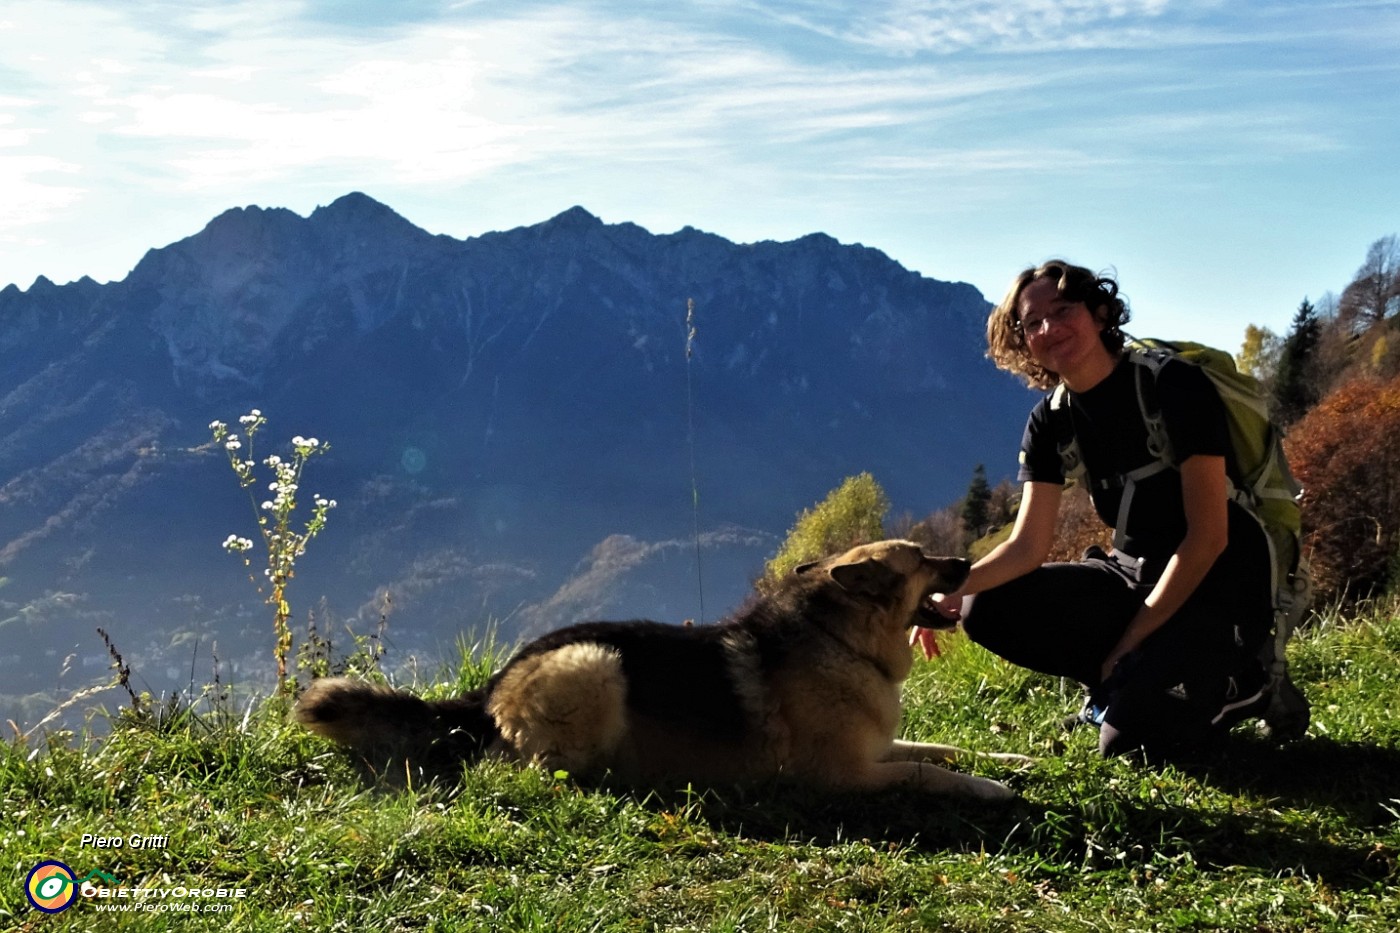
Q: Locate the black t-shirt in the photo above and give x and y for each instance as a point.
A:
(1113, 441)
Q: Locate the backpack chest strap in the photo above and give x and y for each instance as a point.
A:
(1130, 482)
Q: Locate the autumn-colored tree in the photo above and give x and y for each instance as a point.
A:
(939, 532)
(1259, 354)
(852, 513)
(1384, 354)
(1374, 292)
(1346, 454)
(1005, 502)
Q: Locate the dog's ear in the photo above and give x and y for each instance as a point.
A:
(803, 568)
(867, 577)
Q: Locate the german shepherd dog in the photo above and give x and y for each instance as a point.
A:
(802, 684)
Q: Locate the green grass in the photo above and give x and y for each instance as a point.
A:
(1262, 839)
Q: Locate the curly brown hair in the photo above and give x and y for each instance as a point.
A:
(1006, 342)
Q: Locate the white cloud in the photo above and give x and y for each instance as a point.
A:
(906, 27)
(27, 196)
(998, 162)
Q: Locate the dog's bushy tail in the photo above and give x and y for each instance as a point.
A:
(391, 729)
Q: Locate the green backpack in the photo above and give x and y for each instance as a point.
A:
(1264, 486)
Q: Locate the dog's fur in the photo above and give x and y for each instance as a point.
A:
(802, 684)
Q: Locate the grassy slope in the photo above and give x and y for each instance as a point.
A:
(1303, 838)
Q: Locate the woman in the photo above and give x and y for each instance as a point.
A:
(1164, 630)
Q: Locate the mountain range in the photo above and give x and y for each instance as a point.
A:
(562, 421)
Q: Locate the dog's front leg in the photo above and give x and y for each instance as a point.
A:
(931, 778)
(923, 751)
(927, 751)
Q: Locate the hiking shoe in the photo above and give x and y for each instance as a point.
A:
(1088, 715)
(1246, 697)
(1288, 713)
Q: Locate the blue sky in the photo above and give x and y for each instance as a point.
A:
(1227, 158)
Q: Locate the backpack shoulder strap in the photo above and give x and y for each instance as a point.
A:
(1071, 458)
(1147, 366)
(1147, 363)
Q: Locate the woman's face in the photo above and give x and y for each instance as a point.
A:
(1061, 335)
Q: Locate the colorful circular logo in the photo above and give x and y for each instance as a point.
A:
(51, 887)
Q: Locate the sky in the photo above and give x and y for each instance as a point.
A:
(1226, 158)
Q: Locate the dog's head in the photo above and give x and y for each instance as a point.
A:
(899, 573)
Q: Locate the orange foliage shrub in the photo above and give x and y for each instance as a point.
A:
(1080, 526)
(1346, 454)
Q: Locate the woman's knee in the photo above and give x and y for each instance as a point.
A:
(1004, 622)
(984, 618)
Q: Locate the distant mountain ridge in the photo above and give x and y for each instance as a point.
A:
(510, 418)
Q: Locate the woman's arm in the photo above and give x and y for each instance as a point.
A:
(1024, 551)
(1031, 539)
(1204, 494)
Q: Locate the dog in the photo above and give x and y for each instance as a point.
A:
(802, 684)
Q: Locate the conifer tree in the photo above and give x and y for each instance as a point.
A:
(1294, 389)
(976, 508)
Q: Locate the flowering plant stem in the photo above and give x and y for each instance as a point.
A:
(284, 544)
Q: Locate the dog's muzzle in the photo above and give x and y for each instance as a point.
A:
(928, 616)
(953, 573)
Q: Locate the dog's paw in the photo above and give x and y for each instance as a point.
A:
(987, 789)
(1011, 758)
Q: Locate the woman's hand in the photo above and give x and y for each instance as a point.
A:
(1111, 662)
(948, 605)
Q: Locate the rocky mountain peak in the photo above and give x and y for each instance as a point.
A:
(575, 218)
(358, 214)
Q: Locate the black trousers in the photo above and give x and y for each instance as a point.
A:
(1064, 619)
